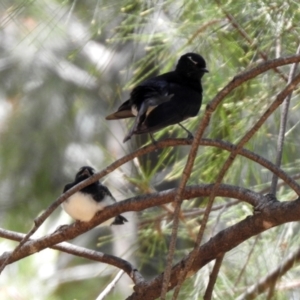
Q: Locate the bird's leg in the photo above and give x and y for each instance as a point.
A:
(154, 142)
(190, 135)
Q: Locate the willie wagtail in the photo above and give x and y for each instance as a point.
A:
(84, 204)
(166, 99)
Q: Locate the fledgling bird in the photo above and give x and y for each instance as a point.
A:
(166, 99)
(84, 204)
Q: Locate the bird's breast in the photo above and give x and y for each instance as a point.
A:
(81, 206)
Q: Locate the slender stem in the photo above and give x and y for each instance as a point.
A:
(247, 261)
(249, 40)
(98, 256)
(282, 127)
(213, 277)
(264, 283)
(110, 286)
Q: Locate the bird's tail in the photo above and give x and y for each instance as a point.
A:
(119, 220)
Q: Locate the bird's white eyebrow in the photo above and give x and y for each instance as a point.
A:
(193, 61)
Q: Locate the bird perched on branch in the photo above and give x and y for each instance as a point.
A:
(166, 99)
(84, 204)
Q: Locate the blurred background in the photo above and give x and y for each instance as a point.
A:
(65, 65)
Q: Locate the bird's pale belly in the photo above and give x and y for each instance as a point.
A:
(83, 207)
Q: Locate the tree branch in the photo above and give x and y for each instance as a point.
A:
(138, 203)
(81, 252)
(110, 287)
(273, 213)
(147, 149)
(249, 40)
(213, 277)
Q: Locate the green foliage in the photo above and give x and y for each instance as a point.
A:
(56, 89)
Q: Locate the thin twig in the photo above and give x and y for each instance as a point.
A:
(280, 184)
(282, 127)
(291, 284)
(110, 286)
(247, 260)
(137, 203)
(264, 283)
(201, 29)
(249, 40)
(217, 219)
(213, 277)
(120, 263)
(271, 289)
(189, 213)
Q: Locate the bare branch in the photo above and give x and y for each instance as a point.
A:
(246, 261)
(249, 40)
(166, 143)
(213, 277)
(280, 184)
(191, 213)
(273, 214)
(81, 252)
(134, 204)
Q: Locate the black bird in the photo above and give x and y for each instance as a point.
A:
(166, 99)
(84, 204)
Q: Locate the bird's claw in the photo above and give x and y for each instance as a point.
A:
(190, 136)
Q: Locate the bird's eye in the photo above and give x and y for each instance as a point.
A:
(193, 61)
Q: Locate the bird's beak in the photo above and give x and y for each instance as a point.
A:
(86, 172)
(204, 70)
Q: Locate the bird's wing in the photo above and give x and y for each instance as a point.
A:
(162, 116)
(149, 88)
(124, 111)
(145, 98)
(68, 186)
(103, 195)
(183, 104)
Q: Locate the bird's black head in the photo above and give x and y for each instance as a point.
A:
(191, 65)
(84, 172)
